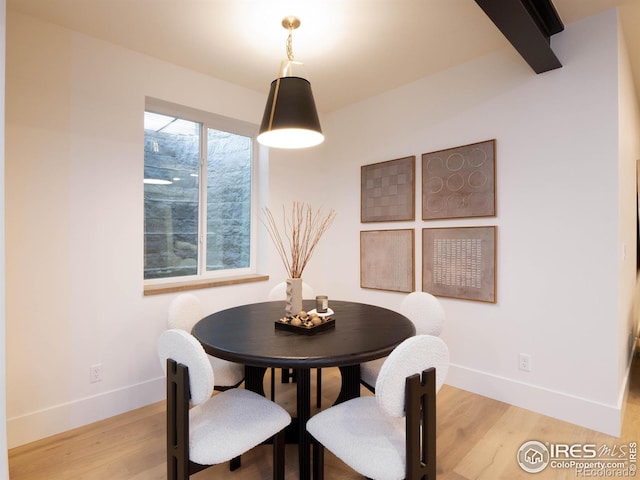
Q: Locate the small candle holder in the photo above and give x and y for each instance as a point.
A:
(322, 303)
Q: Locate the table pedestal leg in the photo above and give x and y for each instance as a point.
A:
(254, 379)
(304, 412)
(350, 387)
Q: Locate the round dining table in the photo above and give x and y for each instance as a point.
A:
(247, 334)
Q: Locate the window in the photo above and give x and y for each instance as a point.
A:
(197, 193)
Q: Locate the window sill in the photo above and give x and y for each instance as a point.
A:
(181, 286)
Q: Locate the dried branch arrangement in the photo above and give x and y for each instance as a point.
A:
(302, 232)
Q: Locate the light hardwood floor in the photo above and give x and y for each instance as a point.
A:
(478, 438)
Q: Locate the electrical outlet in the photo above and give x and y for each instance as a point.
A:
(95, 373)
(524, 362)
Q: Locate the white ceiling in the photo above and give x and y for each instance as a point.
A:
(352, 49)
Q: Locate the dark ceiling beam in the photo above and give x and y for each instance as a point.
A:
(528, 25)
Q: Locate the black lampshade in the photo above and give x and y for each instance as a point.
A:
(290, 118)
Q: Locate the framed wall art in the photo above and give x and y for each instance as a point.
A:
(387, 191)
(460, 262)
(459, 182)
(387, 260)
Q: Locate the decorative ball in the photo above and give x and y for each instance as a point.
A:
(296, 321)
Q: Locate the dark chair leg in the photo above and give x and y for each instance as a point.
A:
(273, 384)
(287, 375)
(278, 455)
(318, 387)
(318, 460)
(235, 463)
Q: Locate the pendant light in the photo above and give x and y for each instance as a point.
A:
(290, 118)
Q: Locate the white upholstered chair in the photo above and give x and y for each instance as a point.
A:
(219, 428)
(185, 310)
(279, 292)
(426, 313)
(389, 436)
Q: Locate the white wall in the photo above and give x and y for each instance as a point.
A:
(4, 468)
(629, 147)
(74, 225)
(564, 291)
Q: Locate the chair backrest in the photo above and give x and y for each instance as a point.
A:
(279, 292)
(425, 311)
(420, 426)
(178, 345)
(184, 312)
(412, 356)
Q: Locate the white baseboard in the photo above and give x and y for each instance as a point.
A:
(60, 418)
(569, 408)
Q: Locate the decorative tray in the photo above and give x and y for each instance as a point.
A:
(305, 323)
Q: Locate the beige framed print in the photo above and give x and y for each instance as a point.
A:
(387, 191)
(387, 260)
(460, 262)
(459, 182)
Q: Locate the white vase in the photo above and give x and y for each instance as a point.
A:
(293, 303)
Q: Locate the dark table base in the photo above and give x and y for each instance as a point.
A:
(297, 431)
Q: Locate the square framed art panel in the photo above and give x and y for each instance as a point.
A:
(459, 182)
(387, 260)
(387, 191)
(460, 262)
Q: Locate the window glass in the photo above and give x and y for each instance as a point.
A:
(176, 184)
(228, 200)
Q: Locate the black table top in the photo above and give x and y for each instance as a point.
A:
(247, 335)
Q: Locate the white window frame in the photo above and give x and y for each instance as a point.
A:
(231, 125)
